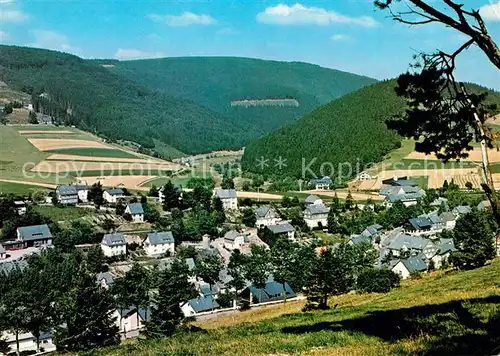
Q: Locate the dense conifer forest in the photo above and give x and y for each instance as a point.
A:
(350, 130)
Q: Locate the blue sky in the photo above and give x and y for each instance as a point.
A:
(350, 35)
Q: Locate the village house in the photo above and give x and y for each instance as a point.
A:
(316, 216)
(228, 198)
(359, 239)
(363, 176)
(313, 200)
(404, 190)
(198, 305)
(105, 279)
(445, 248)
(114, 245)
(405, 268)
(461, 210)
(159, 243)
(83, 192)
(3, 253)
(321, 183)
(373, 232)
(283, 229)
(234, 240)
(412, 245)
(273, 291)
(420, 225)
(34, 236)
(136, 212)
(67, 194)
(130, 319)
(266, 216)
(113, 195)
(449, 220)
(27, 342)
(20, 207)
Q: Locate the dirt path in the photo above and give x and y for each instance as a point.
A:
(342, 194)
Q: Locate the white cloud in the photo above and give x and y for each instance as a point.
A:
(490, 12)
(133, 53)
(185, 19)
(53, 40)
(299, 14)
(339, 37)
(4, 36)
(2, 2)
(12, 16)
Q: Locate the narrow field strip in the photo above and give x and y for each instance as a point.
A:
(107, 152)
(54, 144)
(67, 157)
(43, 132)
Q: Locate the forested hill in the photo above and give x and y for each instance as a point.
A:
(91, 97)
(351, 129)
(216, 82)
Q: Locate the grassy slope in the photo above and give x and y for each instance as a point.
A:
(15, 152)
(216, 81)
(443, 313)
(18, 189)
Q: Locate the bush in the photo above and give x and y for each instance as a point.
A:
(376, 280)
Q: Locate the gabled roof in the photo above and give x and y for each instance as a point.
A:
(66, 190)
(316, 209)
(415, 264)
(435, 219)
(446, 247)
(324, 180)
(225, 193)
(311, 199)
(447, 216)
(35, 232)
(131, 310)
(420, 223)
(203, 303)
(409, 242)
(281, 228)
(106, 276)
(115, 239)
(358, 239)
(262, 211)
(135, 208)
(439, 201)
(272, 291)
(372, 230)
(160, 238)
(232, 235)
(403, 197)
(462, 210)
(115, 191)
(81, 187)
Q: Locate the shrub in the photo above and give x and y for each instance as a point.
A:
(377, 280)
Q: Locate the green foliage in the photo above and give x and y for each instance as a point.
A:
(88, 316)
(208, 268)
(320, 136)
(215, 82)
(474, 239)
(32, 119)
(376, 280)
(227, 182)
(171, 196)
(249, 219)
(95, 194)
(174, 289)
(95, 259)
(114, 106)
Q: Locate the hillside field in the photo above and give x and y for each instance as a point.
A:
(74, 156)
(444, 313)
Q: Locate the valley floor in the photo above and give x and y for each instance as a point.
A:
(441, 313)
